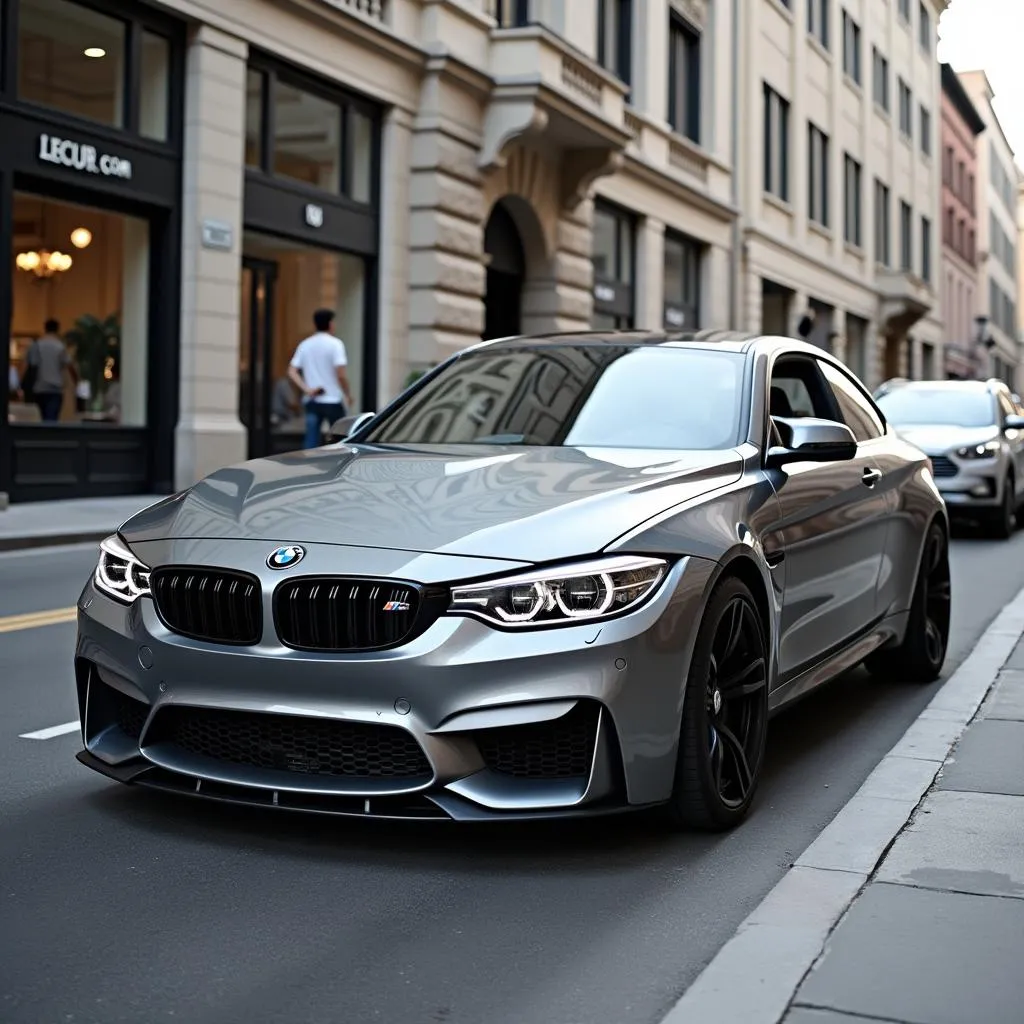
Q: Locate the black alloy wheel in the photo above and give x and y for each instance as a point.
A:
(919, 659)
(725, 714)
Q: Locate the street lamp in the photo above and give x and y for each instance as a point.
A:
(982, 336)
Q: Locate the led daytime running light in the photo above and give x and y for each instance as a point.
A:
(119, 574)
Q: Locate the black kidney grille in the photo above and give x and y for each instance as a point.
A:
(560, 749)
(291, 743)
(941, 466)
(331, 614)
(209, 604)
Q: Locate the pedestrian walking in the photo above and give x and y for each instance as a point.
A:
(319, 370)
(44, 374)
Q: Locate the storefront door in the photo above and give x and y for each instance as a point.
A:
(255, 385)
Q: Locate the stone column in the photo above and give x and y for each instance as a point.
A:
(915, 359)
(209, 434)
(714, 291)
(649, 286)
(799, 305)
(874, 355)
(752, 302)
(837, 337)
(447, 278)
(559, 297)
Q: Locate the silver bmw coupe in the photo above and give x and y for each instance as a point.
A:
(559, 575)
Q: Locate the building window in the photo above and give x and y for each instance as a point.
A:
(924, 28)
(817, 169)
(947, 226)
(510, 13)
(682, 282)
(906, 236)
(970, 247)
(817, 20)
(683, 78)
(904, 9)
(92, 79)
(294, 133)
(851, 213)
(926, 250)
(926, 132)
(776, 144)
(882, 229)
(970, 192)
(906, 110)
(613, 248)
(851, 48)
(880, 75)
(947, 166)
(615, 37)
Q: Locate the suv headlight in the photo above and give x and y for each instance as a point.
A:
(574, 593)
(979, 451)
(119, 574)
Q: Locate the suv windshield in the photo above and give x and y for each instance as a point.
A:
(908, 406)
(586, 395)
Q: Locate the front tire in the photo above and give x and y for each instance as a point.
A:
(1004, 521)
(920, 657)
(725, 715)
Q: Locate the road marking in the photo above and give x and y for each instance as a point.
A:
(33, 620)
(54, 730)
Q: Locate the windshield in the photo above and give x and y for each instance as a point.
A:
(906, 407)
(601, 396)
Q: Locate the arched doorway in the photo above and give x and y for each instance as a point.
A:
(506, 274)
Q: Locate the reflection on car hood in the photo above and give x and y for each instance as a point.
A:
(531, 504)
(937, 438)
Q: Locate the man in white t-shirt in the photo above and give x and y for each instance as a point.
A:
(318, 370)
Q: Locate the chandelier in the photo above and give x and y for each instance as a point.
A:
(43, 263)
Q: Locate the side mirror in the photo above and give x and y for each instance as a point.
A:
(348, 425)
(1014, 423)
(811, 440)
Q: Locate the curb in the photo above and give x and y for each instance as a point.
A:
(779, 942)
(52, 540)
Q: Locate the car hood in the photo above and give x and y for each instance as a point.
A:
(937, 438)
(522, 503)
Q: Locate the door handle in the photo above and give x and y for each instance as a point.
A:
(871, 477)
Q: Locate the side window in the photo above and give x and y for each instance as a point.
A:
(1005, 406)
(855, 409)
(798, 389)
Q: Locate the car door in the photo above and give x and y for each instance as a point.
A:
(831, 531)
(1014, 438)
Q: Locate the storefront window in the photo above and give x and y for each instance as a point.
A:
(154, 87)
(361, 154)
(307, 138)
(71, 58)
(80, 316)
(682, 282)
(254, 118)
(613, 248)
(283, 284)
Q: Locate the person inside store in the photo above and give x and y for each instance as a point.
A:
(319, 369)
(46, 363)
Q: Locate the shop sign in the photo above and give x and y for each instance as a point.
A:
(674, 316)
(82, 157)
(604, 293)
(218, 235)
(314, 215)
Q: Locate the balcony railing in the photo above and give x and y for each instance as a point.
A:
(372, 9)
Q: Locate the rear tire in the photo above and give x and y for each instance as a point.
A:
(920, 657)
(725, 715)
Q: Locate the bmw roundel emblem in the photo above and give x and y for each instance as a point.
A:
(286, 557)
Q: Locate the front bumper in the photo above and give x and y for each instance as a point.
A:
(464, 722)
(967, 484)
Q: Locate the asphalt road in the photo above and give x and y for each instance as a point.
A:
(122, 905)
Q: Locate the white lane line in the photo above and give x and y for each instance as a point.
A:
(54, 730)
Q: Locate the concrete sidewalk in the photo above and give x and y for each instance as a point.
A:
(49, 523)
(937, 936)
(909, 907)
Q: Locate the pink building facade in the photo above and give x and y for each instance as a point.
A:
(961, 126)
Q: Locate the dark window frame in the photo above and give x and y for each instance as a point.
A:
(776, 150)
(926, 249)
(906, 237)
(138, 20)
(853, 201)
(852, 55)
(274, 70)
(906, 108)
(818, 177)
(818, 27)
(925, 136)
(883, 224)
(691, 308)
(619, 63)
(683, 35)
(623, 306)
(880, 84)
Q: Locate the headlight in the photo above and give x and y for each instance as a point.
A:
(574, 593)
(979, 451)
(119, 574)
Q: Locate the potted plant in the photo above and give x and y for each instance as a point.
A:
(96, 342)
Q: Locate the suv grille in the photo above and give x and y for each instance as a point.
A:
(332, 614)
(290, 743)
(217, 605)
(941, 466)
(560, 749)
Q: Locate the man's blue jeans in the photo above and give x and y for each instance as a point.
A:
(316, 413)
